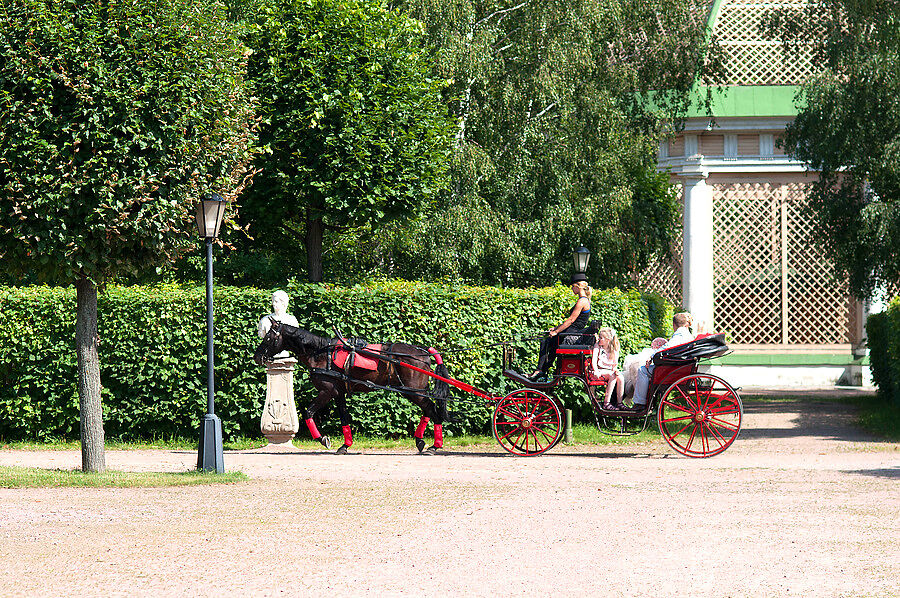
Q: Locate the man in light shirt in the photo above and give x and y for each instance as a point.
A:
(681, 324)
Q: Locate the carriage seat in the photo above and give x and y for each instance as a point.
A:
(591, 379)
(704, 346)
(574, 350)
(681, 360)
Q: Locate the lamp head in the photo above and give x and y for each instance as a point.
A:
(210, 213)
(580, 258)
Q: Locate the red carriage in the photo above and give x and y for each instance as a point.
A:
(698, 414)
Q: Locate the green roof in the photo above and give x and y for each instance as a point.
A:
(761, 80)
(747, 101)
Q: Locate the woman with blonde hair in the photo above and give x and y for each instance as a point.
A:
(605, 365)
(575, 324)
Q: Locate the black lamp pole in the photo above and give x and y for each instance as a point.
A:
(209, 454)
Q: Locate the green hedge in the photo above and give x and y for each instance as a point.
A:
(883, 332)
(152, 351)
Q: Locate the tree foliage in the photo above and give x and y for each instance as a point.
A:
(353, 126)
(116, 116)
(555, 143)
(848, 128)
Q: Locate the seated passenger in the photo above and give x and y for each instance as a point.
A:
(605, 365)
(632, 363)
(681, 324)
(574, 324)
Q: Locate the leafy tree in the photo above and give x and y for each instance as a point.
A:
(848, 128)
(353, 125)
(555, 143)
(116, 117)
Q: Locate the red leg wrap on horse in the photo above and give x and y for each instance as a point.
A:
(313, 430)
(423, 424)
(348, 435)
(438, 436)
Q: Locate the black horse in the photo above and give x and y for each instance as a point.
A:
(315, 352)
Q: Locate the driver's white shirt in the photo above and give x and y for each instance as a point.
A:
(681, 336)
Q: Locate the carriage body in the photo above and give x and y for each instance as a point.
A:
(698, 414)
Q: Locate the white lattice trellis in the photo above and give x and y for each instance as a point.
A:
(663, 276)
(746, 257)
(820, 310)
(752, 57)
(771, 285)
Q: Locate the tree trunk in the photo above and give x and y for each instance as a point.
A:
(93, 455)
(314, 228)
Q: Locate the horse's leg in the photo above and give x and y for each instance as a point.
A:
(429, 414)
(326, 393)
(345, 425)
(419, 434)
(415, 385)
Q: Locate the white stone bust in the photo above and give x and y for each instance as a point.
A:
(279, 312)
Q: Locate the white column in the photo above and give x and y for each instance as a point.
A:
(697, 273)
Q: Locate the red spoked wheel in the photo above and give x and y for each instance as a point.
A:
(700, 415)
(527, 422)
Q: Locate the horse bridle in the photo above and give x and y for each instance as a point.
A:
(276, 328)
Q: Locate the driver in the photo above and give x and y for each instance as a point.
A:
(576, 323)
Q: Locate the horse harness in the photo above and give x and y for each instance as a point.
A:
(357, 346)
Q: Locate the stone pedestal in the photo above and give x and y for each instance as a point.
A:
(279, 422)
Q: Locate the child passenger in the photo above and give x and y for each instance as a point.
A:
(605, 363)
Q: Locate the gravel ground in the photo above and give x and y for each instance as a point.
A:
(802, 504)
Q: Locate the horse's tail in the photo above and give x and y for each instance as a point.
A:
(441, 388)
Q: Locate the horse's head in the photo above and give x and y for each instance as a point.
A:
(272, 343)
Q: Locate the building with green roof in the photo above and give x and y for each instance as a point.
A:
(748, 266)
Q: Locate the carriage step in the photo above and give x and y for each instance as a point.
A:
(623, 413)
(526, 381)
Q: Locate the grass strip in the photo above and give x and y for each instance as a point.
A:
(34, 477)
(172, 444)
(582, 434)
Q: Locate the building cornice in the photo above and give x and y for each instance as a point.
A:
(690, 167)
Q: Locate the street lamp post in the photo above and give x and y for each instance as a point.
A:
(210, 211)
(580, 258)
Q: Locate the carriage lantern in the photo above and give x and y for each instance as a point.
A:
(210, 211)
(581, 256)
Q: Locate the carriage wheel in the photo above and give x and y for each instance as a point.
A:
(527, 422)
(700, 415)
(562, 410)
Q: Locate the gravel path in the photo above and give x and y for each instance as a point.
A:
(803, 504)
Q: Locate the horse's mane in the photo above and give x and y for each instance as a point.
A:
(305, 338)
